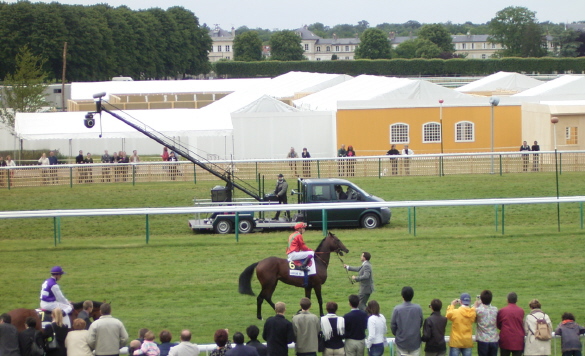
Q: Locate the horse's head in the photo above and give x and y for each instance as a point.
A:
(335, 244)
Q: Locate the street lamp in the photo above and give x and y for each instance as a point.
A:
(441, 132)
(494, 101)
(554, 120)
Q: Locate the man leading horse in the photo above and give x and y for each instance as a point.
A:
(52, 297)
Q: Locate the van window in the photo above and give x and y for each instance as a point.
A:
(321, 193)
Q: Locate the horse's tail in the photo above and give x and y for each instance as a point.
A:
(245, 286)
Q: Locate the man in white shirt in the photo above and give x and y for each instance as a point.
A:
(185, 348)
(406, 161)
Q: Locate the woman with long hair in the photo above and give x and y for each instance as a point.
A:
(376, 329)
(58, 330)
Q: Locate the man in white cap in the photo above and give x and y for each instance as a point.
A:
(52, 297)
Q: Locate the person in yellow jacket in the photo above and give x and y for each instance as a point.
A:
(462, 319)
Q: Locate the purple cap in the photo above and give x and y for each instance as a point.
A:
(57, 270)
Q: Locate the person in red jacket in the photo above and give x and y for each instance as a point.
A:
(297, 250)
(510, 322)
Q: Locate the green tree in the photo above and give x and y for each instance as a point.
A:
(417, 48)
(566, 43)
(439, 35)
(23, 91)
(518, 32)
(248, 47)
(374, 44)
(319, 29)
(286, 46)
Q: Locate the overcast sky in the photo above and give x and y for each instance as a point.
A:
(289, 14)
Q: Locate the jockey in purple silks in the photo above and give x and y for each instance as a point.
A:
(52, 297)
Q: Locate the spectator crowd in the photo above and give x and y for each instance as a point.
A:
(352, 334)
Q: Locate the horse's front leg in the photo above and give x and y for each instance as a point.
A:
(319, 298)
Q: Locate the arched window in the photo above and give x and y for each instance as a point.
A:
(328, 49)
(431, 132)
(399, 133)
(464, 132)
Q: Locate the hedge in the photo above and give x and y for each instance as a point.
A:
(404, 67)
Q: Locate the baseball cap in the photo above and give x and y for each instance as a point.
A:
(57, 270)
(465, 299)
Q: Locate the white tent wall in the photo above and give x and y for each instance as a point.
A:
(263, 135)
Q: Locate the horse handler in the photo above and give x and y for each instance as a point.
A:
(52, 297)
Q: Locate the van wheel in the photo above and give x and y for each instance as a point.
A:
(370, 221)
(246, 226)
(223, 227)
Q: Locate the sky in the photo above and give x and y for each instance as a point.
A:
(292, 14)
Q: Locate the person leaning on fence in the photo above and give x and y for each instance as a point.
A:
(106, 171)
(535, 156)
(341, 152)
(333, 328)
(44, 161)
(53, 161)
(525, 157)
(570, 331)
(292, 154)
(89, 171)
(535, 344)
(351, 162)
(79, 159)
(306, 164)
(406, 161)
(393, 161)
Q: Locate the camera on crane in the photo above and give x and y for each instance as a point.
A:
(89, 121)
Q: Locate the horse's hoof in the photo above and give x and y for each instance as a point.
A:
(259, 317)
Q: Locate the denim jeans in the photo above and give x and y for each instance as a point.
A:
(572, 353)
(487, 348)
(455, 351)
(376, 350)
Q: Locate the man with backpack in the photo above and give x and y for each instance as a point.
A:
(538, 328)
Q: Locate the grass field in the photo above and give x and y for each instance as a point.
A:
(185, 280)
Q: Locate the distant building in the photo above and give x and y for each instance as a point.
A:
(222, 44)
(322, 49)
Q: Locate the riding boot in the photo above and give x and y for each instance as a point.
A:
(304, 266)
(306, 279)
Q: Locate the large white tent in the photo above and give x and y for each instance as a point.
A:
(500, 83)
(268, 128)
(566, 87)
(368, 87)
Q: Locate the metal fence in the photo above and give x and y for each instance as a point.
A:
(372, 166)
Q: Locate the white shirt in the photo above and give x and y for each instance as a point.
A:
(377, 330)
(407, 152)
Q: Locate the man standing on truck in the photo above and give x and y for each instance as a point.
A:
(298, 250)
(280, 192)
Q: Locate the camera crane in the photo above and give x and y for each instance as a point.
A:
(223, 174)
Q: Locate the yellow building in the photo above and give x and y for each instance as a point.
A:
(465, 129)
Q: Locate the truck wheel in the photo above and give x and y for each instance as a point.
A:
(223, 227)
(246, 226)
(370, 221)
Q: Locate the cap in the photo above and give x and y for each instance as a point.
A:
(57, 270)
(280, 175)
(465, 299)
(300, 225)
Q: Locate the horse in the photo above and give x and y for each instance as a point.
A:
(19, 315)
(273, 269)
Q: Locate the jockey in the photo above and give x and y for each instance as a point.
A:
(51, 296)
(297, 250)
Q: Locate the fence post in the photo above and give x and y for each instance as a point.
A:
(503, 218)
(257, 174)
(133, 174)
(409, 221)
(560, 163)
(324, 222)
(237, 226)
(581, 208)
(379, 168)
(501, 165)
(496, 210)
(414, 221)
(70, 177)
(147, 229)
(318, 169)
(9, 172)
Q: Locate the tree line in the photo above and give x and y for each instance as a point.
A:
(103, 41)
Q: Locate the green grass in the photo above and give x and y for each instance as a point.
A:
(185, 280)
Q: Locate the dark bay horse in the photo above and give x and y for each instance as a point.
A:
(19, 315)
(273, 269)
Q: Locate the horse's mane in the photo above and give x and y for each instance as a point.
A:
(322, 241)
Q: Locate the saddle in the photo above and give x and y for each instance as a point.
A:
(295, 265)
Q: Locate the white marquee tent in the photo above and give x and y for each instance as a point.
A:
(500, 83)
(368, 87)
(566, 87)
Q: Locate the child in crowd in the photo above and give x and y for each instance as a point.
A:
(149, 347)
(569, 331)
